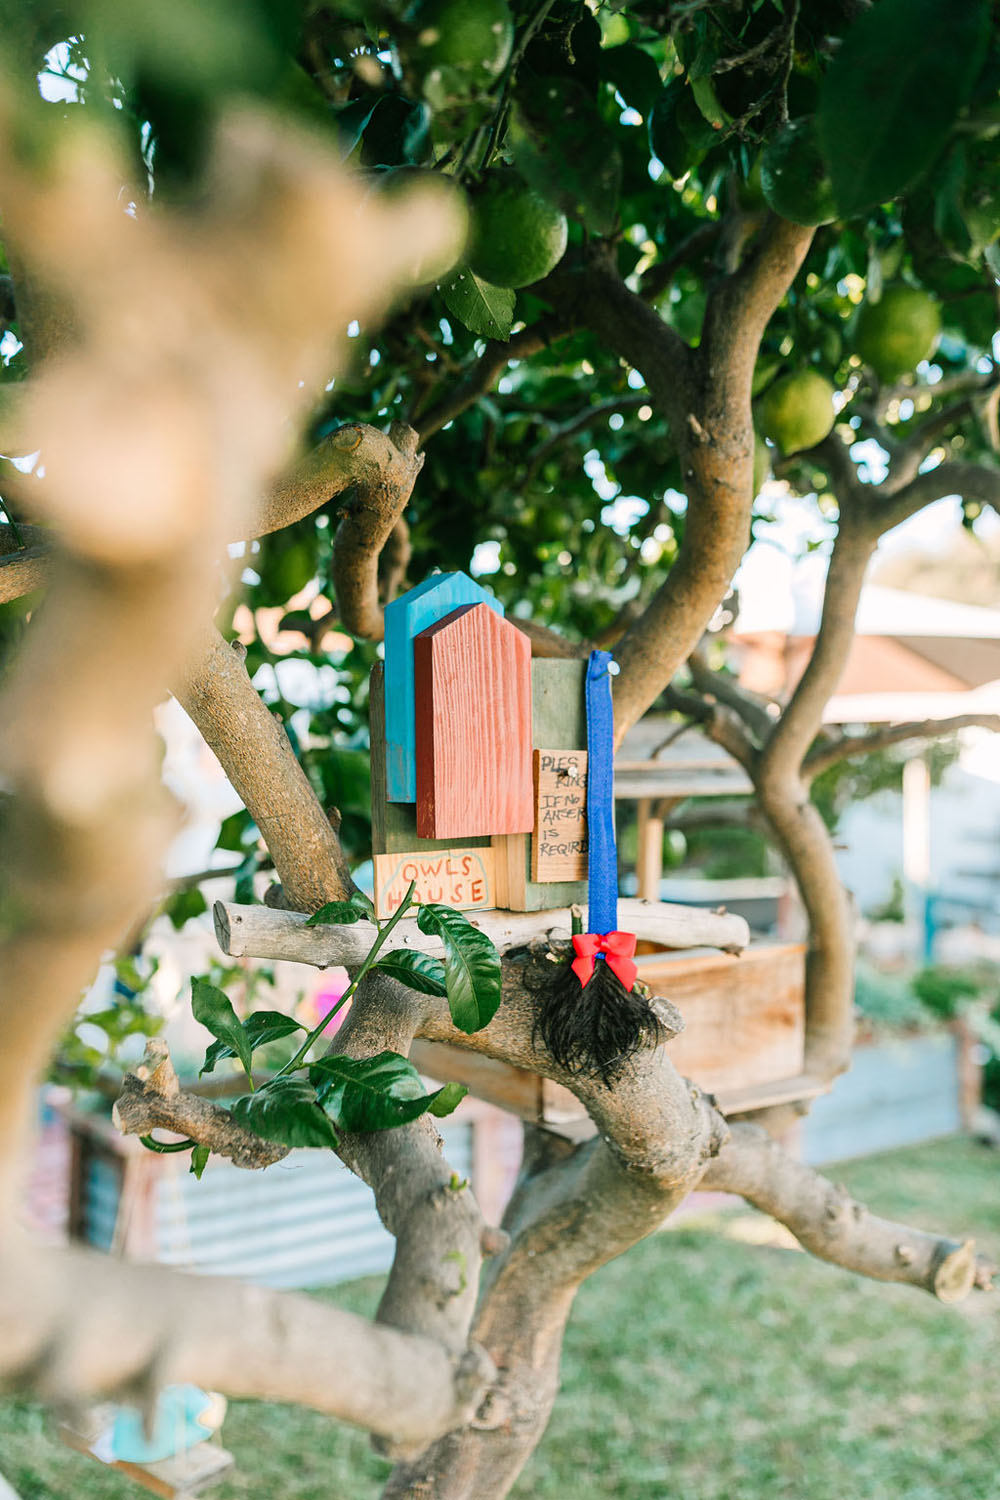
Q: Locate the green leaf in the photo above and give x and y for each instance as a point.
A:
(183, 905)
(634, 73)
(377, 1093)
(447, 1098)
(563, 148)
(262, 1027)
(351, 122)
(707, 100)
(418, 971)
(364, 904)
(236, 832)
(285, 1110)
(482, 308)
(199, 1160)
(335, 914)
(212, 1008)
(471, 966)
(893, 92)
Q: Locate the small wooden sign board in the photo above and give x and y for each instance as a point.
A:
(458, 877)
(559, 845)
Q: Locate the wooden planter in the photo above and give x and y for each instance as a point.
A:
(743, 1040)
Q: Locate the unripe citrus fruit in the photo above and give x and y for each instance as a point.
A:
(472, 36)
(793, 175)
(797, 410)
(899, 330)
(517, 235)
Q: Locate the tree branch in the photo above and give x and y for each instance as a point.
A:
(261, 932)
(829, 753)
(368, 521)
(831, 1225)
(75, 1322)
(952, 477)
(151, 1099)
(792, 734)
(256, 755)
(706, 397)
(354, 454)
(488, 368)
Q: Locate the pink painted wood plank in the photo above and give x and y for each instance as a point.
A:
(472, 679)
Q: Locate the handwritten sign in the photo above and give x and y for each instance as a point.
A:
(559, 846)
(454, 877)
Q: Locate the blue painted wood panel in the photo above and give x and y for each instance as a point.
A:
(405, 618)
(898, 1092)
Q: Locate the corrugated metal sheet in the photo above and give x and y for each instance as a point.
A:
(897, 1093)
(102, 1184)
(306, 1221)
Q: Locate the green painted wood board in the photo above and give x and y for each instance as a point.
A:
(558, 722)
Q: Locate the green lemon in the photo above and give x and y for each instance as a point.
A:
(895, 333)
(473, 37)
(517, 235)
(797, 410)
(793, 175)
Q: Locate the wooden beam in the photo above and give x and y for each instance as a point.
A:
(266, 932)
(649, 866)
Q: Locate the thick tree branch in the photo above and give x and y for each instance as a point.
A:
(831, 1225)
(73, 1321)
(705, 395)
(368, 521)
(256, 755)
(439, 1230)
(844, 745)
(23, 572)
(799, 724)
(173, 396)
(352, 456)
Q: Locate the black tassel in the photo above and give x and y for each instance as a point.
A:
(593, 1028)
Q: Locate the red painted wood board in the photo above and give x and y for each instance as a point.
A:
(472, 680)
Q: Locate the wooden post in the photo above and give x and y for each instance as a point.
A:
(917, 847)
(650, 854)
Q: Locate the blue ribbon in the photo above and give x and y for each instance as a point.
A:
(602, 858)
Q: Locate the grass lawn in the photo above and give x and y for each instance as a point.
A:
(699, 1367)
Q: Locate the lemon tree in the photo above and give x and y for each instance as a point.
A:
(696, 232)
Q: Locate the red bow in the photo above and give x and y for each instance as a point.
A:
(617, 948)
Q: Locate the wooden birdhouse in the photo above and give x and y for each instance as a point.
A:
(480, 780)
(469, 797)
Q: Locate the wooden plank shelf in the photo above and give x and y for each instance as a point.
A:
(539, 1101)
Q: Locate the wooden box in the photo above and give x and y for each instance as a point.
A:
(743, 1040)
